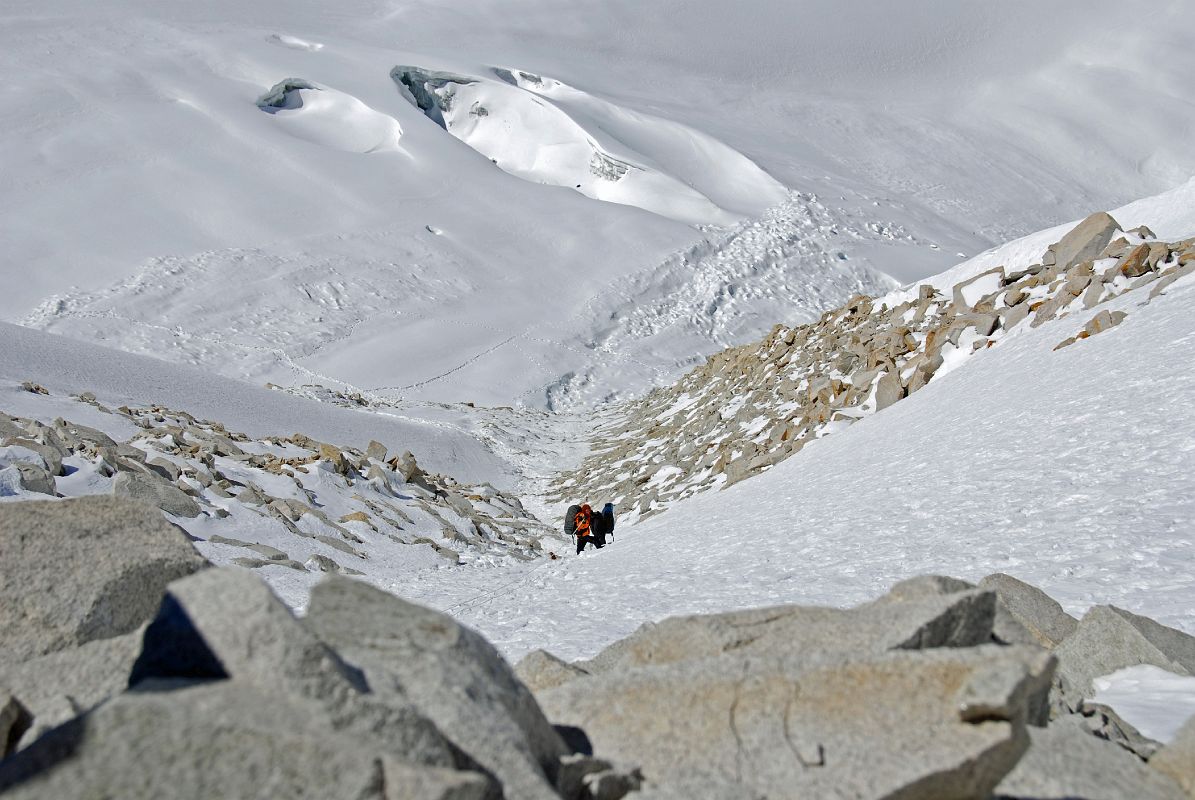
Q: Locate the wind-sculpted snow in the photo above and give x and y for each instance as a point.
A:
(327, 117)
(545, 131)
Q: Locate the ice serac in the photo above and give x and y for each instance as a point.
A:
(328, 117)
(547, 132)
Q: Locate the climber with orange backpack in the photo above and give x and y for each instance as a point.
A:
(589, 527)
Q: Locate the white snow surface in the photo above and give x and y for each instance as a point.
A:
(1152, 700)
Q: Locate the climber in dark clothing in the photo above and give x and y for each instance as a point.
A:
(603, 525)
(588, 527)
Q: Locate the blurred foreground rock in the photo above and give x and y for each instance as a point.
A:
(132, 671)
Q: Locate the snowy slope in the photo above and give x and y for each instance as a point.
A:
(344, 236)
(67, 366)
(1068, 468)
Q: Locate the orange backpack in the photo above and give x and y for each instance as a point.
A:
(582, 521)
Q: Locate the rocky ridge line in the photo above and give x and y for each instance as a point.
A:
(751, 407)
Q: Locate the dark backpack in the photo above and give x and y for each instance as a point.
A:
(578, 521)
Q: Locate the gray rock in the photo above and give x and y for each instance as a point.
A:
(1014, 316)
(924, 587)
(156, 492)
(58, 686)
(960, 619)
(888, 390)
(36, 479)
(1103, 722)
(1177, 759)
(1104, 320)
(1170, 277)
(574, 768)
(83, 569)
(219, 739)
(226, 623)
(1031, 608)
(257, 563)
(168, 470)
(251, 495)
(14, 721)
(1085, 242)
(1108, 639)
(705, 789)
(318, 563)
(540, 670)
(72, 433)
(454, 676)
(291, 509)
(611, 784)
(1066, 761)
(50, 456)
(941, 723)
(10, 429)
(984, 324)
(376, 450)
(218, 539)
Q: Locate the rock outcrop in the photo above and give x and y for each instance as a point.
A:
(450, 673)
(81, 570)
(193, 469)
(1066, 761)
(1177, 759)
